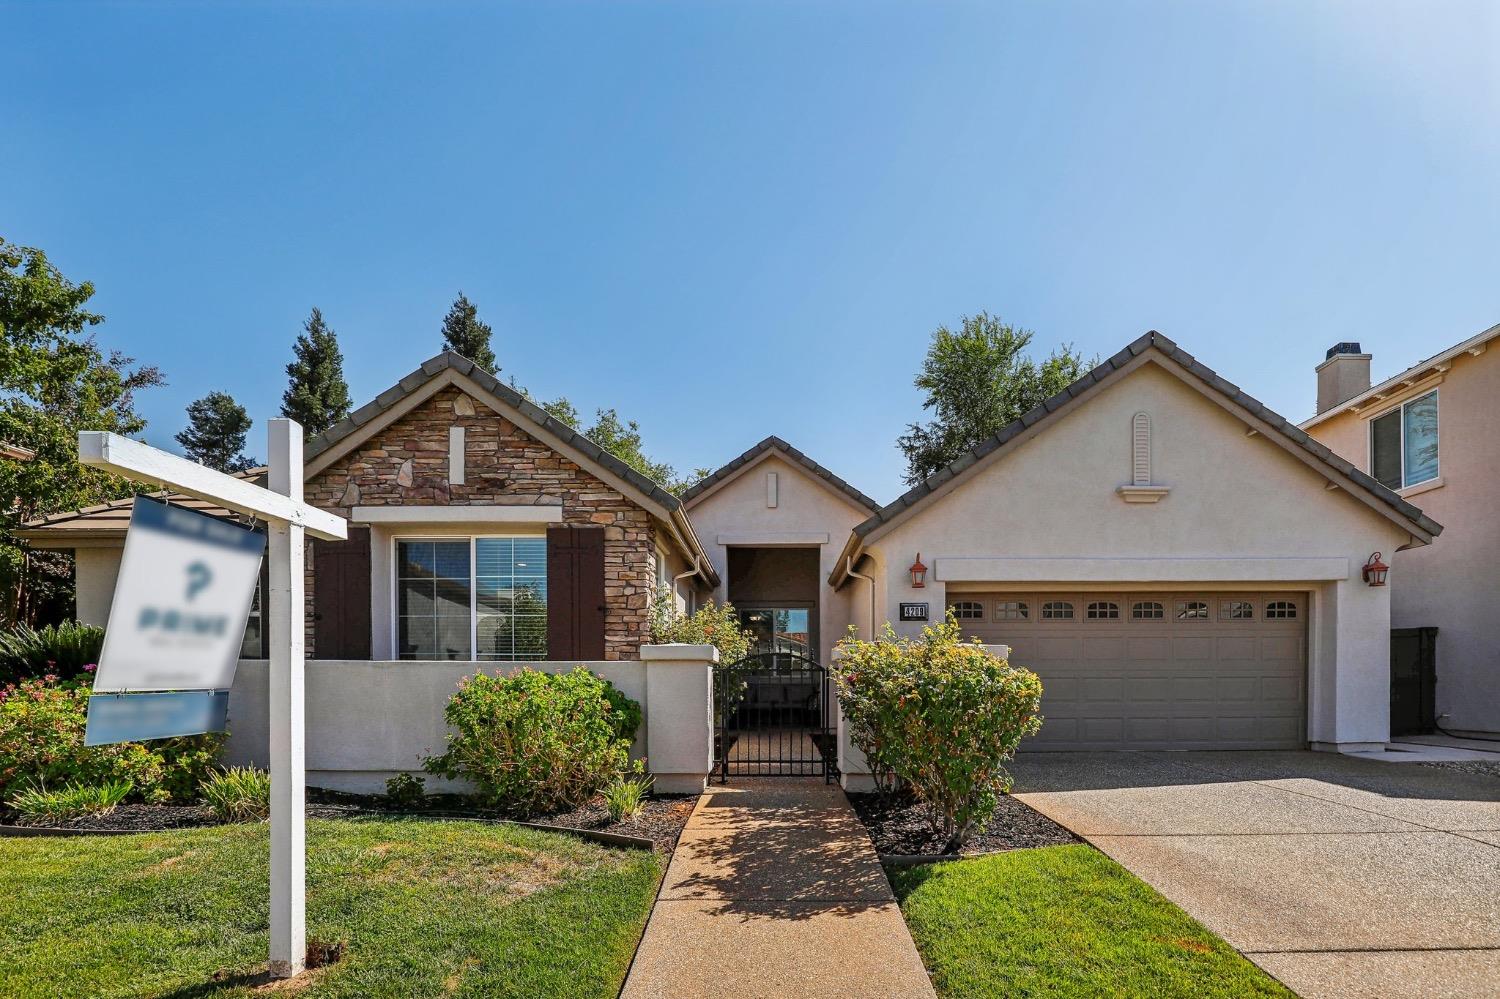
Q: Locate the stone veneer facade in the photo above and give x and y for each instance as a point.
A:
(407, 464)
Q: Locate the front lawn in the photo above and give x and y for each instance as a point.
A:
(1063, 921)
(427, 908)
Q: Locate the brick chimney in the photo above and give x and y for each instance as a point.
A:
(1344, 374)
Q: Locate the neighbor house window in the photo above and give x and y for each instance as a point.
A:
(969, 610)
(251, 646)
(1057, 610)
(1281, 610)
(1012, 610)
(472, 598)
(1404, 443)
(1147, 610)
(1103, 610)
(1192, 610)
(1236, 610)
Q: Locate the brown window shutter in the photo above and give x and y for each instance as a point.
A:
(575, 593)
(341, 597)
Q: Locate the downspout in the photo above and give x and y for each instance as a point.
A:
(849, 568)
(693, 593)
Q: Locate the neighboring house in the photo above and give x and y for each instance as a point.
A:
(1428, 433)
(1181, 565)
(16, 452)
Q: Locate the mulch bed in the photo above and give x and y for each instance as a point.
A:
(661, 819)
(1484, 768)
(898, 825)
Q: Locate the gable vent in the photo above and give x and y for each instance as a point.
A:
(1140, 432)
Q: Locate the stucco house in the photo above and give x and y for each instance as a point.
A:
(1181, 565)
(1427, 433)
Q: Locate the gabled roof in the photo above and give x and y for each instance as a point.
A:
(1475, 345)
(448, 367)
(1335, 468)
(776, 445)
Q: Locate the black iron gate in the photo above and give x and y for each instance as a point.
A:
(774, 718)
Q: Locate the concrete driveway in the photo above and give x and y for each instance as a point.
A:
(1340, 876)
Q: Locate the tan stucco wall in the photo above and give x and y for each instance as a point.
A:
(1450, 584)
(1233, 497)
(95, 570)
(737, 511)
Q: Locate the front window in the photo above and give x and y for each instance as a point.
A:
(1404, 443)
(459, 596)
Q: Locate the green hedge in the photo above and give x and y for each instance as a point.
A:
(534, 742)
(939, 715)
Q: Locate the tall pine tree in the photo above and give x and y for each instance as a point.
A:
(215, 434)
(464, 334)
(318, 396)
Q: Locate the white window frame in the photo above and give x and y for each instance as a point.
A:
(472, 539)
(1400, 408)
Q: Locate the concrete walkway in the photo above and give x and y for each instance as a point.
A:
(774, 890)
(1342, 877)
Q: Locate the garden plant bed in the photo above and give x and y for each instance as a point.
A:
(661, 819)
(898, 825)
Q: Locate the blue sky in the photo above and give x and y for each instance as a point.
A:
(730, 219)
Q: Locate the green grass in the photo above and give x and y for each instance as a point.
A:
(1063, 921)
(427, 909)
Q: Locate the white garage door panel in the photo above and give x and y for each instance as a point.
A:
(1214, 671)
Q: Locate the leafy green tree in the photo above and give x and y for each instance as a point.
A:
(621, 439)
(464, 334)
(55, 380)
(978, 380)
(215, 434)
(318, 396)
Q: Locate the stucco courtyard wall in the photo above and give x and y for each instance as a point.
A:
(367, 721)
(1449, 584)
(1240, 512)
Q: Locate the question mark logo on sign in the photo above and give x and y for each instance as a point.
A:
(199, 576)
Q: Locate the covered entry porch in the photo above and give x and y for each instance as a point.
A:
(774, 706)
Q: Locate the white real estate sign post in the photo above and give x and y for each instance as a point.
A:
(289, 519)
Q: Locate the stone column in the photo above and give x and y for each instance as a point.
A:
(679, 715)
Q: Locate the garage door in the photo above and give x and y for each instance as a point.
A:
(1175, 670)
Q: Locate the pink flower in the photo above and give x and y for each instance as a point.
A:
(90, 667)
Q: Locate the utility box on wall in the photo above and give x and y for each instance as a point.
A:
(1413, 681)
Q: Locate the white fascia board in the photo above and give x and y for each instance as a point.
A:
(981, 569)
(143, 463)
(456, 514)
(775, 539)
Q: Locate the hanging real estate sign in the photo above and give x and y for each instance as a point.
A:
(181, 600)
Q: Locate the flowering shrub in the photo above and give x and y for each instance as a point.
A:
(533, 742)
(41, 745)
(941, 716)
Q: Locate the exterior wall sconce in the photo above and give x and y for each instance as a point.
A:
(1375, 570)
(918, 573)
